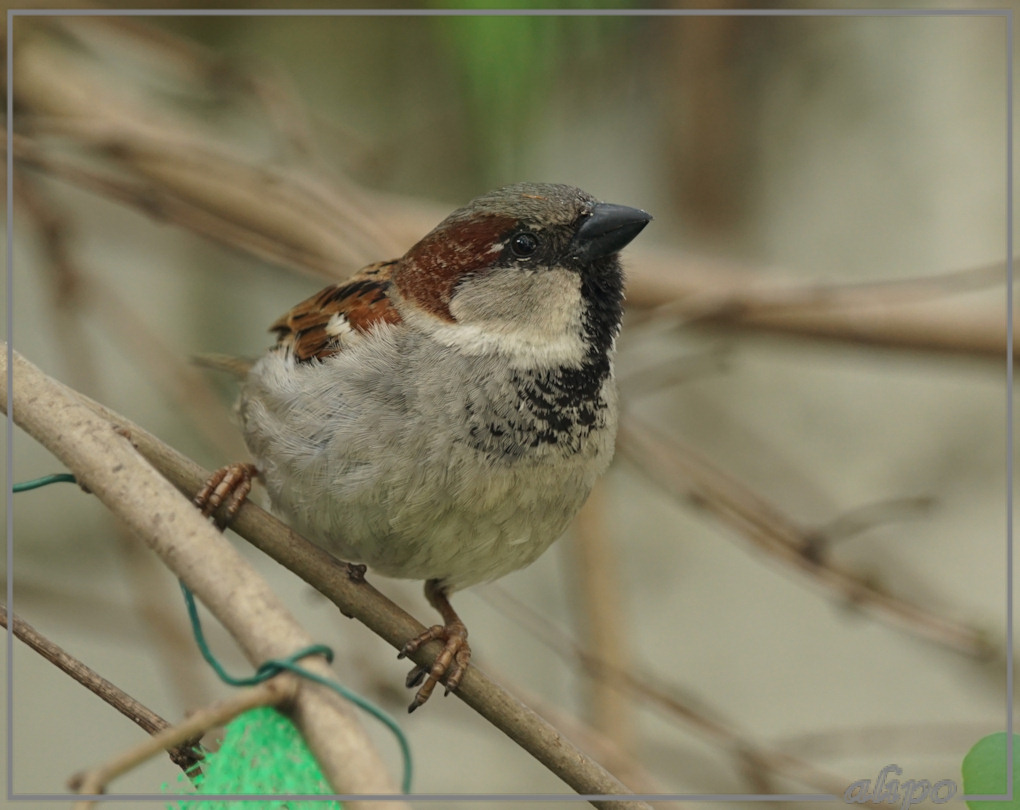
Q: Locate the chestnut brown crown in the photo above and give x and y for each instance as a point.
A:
(531, 227)
(526, 225)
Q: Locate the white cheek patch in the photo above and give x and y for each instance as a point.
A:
(522, 350)
(531, 316)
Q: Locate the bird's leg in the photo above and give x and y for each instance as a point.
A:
(452, 662)
(229, 485)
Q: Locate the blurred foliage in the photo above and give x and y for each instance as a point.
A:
(508, 67)
(984, 772)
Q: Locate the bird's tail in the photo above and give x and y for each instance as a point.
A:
(237, 366)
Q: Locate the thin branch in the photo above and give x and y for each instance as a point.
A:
(285, 217)
(54, 239)
(181, 753)
(923, 314)
(628, 679)
(919, 314)
(181, 382)
(604, 746)
(921, 738)
(355, 598)
(596, 579)
(74, 288)
(155, 202)
(656, 377)
(684, 473)
(789, 295)
(274, 692)
(56, 96)
(108, 466)
(865, 517)
(197, 65)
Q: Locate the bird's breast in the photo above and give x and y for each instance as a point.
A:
(429, 465)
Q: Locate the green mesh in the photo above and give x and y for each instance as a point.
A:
(262, 753)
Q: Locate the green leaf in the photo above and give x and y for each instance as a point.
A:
(984, 772)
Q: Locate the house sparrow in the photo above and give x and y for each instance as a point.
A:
(444, 415)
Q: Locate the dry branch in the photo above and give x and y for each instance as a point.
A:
(164, 167)
(682, 472)
(600, 607)
(630, 681)
(929, 313)
(86, 132)
(109, 466)
(270, 693)
(358, 599)
(138, 713)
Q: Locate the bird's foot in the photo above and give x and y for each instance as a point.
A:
(449, 666)
(228, 487)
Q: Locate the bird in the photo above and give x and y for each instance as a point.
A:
(443, 416)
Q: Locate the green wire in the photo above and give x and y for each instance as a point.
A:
(274, 666)
(271, 668)
(46, 480)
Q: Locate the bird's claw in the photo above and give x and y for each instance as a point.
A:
(449, 666)
(415, 676)
(228, 487)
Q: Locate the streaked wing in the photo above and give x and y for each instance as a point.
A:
(328, 321)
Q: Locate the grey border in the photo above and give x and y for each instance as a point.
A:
(1007, 14)
(9, 427)
(509, 12)
(1010, 787)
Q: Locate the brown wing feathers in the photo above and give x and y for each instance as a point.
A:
(318, 327)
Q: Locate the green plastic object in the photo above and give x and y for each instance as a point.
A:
(262, 754)
(984, 772)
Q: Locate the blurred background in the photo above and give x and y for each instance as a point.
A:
(797, 562)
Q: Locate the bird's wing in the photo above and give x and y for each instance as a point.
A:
(328, 321)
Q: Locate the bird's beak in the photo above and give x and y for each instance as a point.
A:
(608, 229)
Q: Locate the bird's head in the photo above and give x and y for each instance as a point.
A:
(529, 270)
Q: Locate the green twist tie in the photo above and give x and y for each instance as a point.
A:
(46, 480)
(269, 669)
(275, 666)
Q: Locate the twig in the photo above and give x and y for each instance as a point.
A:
(274, 692)
(630, 680)
(198, 65)
(108, 466)
(169, 638)
(922, 314)
(790, 295)
(604, 746)
(154, 201)
(600, 607)
(89, 111)
(921, 738)
(283, 217)
(913, 318)
(73, 290)
(54, 238)
(684, 473)
(182, 754)
(57, 96)
(357, 599)
(859, 520)
(181, 382)
(657, 377)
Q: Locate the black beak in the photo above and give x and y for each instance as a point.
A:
(608, 229)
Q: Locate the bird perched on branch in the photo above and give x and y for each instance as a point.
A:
(443, 416)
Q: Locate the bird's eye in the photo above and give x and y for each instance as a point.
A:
(524, 244)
